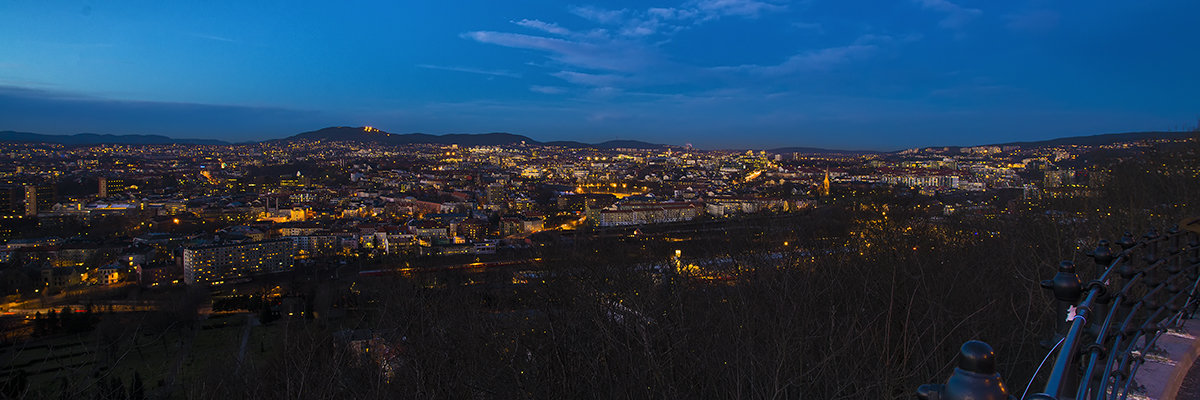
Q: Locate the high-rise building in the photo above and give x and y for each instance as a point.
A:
(38, 198)
(10, 200)
(221, 263)
(111, 186)
(497, 193)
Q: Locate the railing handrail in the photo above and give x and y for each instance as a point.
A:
(1153, 298)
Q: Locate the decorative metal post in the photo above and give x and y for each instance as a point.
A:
(974, 379)
(1067, 289)
(1103, 257)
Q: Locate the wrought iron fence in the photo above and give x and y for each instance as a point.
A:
(1107, 327)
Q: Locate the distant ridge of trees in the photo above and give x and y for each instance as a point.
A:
(1108, 138)
(83, 139)
(817, 150)
(346, 133)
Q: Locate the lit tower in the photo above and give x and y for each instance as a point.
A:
(825, 184)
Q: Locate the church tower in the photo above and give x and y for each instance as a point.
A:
(825, 184)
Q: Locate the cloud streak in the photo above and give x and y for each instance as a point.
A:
(548, 27)
(809, 61)
(713, 9)
(547, 89)
(469, 70)
(626, 49)
(613, 55)
(214, 38)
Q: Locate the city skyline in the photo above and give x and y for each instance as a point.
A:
(213, 199)
(717, 74)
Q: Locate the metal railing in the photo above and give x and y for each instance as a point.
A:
(1107, 327)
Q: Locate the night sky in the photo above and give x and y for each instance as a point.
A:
(714, 73)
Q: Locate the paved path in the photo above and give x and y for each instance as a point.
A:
(250, 322)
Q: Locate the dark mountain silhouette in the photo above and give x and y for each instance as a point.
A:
(815, 150)
(1108, 138)
(629, 144)
(83, 139)
(567, 143)
(611, 144)
(362, 134)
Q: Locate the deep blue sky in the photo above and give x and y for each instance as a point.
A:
(715, 73)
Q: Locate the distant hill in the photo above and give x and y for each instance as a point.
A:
(815, 150)
(567, 143)
(628, 144)
(611, 144)
(1097, 140)
(86, 139)
(361, 134)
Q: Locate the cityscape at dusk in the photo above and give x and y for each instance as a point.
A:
(932, 199)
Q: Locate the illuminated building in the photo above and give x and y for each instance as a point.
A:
(59, 277)
(109, 187)
(154, 275)
(38, 199)
(825, 184)
(10, 200)
(308, 246)
(497, 194)
(108, 275)
(473, 229)
(645, 213)
(221, 263)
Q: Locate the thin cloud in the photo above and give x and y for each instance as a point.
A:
(625, 49)
(214, 37)
(729, 8)
(585, 79)
(547, 89)
(956, 16)
(670, 20)
(548, 27)
(613, 55)
(469, 70)
(596, 14)
(808, 61)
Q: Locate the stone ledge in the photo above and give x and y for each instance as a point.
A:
(1163, 377)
